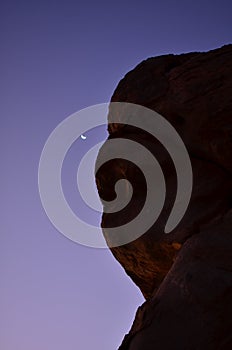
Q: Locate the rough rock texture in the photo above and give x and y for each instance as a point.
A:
(185, 276)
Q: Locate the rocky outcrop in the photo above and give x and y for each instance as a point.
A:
(185, 276)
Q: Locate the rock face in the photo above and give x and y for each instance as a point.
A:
(185, 276)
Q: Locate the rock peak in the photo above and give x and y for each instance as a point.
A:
(185, 276)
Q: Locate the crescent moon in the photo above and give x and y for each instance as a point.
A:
(83, 137)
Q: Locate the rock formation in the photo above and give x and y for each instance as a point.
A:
(185, 276)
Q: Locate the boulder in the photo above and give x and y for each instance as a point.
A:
(186, 275)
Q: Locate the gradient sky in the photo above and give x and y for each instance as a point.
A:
(58, 57)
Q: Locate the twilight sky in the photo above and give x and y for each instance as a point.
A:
(58, 57)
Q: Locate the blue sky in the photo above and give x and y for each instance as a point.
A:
(58, 57)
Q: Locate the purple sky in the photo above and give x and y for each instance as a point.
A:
(58, 57)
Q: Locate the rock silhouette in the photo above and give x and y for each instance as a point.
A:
(185, 276)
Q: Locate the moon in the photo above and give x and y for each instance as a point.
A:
(83, 137)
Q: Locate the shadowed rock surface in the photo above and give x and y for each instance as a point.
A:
(185, 276)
